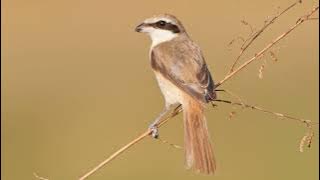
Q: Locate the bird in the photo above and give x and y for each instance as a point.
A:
(184, 79)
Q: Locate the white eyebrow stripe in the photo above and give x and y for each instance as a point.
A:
(156, 19)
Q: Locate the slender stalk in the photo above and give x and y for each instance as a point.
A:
(226, 78)
(130, 144)
(252, 38)
(266, 48)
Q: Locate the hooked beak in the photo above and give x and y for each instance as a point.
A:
(139, 27)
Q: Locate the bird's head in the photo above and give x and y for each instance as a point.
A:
(161, 28)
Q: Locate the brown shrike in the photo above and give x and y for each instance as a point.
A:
(184, 79)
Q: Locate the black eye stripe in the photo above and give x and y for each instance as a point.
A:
(166, 26)
(161, 23)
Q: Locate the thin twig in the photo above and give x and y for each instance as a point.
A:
(313, 18)
(232, 95)
(179, 109)
(252, 38)
(306, 139)
(248, 24)
(117, 153)
(275, 41)
(170, 144)
(39, 177)
(279, 115)
(130, 144)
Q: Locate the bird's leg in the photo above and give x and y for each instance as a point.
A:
(153, 126)
(176, 110)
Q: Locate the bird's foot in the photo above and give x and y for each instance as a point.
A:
(154, 131)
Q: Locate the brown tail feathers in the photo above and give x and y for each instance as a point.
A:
(198, 151)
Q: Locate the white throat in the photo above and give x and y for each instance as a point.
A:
(159, 36)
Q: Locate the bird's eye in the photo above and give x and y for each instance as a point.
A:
(162, 23)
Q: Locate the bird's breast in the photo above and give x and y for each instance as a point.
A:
(171, 93)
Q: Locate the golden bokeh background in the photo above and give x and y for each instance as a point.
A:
(77, 85)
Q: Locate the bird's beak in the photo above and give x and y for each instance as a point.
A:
(140, 27)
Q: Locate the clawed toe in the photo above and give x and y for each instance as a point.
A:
(154, 132)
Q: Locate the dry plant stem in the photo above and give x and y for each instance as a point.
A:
(130, 144)
(114, 155)
(306, 139)
(39, 177)
(252, 38)
(179, 109)
(280, 115)
(232, 95)
(313, 19)
(170, 144)
(264, 50)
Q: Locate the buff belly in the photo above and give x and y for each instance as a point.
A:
(172, 94)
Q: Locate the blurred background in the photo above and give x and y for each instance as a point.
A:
(77, 85)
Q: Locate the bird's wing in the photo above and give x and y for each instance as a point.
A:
(183, 64)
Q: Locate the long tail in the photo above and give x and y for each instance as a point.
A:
(198, 151)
